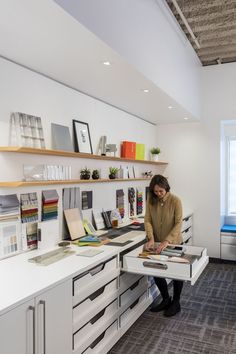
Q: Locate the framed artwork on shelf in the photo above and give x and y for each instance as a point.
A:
(82, 140)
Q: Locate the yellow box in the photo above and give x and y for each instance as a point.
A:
(140, 152)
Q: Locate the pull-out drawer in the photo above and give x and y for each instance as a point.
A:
(228, 238)
(128, 279)
(134, 291)
(228, 252)
(94, 303)
(89, 281)
(94, 327)
(173, 270)
(100, 343)
(133, 308)
(187, 222)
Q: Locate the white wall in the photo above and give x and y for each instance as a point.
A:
(24, 91)
(194, 152)
(147, 35)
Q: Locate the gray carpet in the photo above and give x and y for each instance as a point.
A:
(206, 324)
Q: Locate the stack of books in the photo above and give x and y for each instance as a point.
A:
(49, 204)
(89, 240)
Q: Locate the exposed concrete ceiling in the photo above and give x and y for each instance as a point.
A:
(213, 22)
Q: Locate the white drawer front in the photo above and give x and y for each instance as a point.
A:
(187, 233)
(134, 291)
(124, 318)
(128, 279)
(228, 252)
(87, 309)
(98, 345)
(187, 222)
(182, 271)
(88, 282)
(94, 327)
(228, 239)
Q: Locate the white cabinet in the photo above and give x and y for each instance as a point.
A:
(42, 325)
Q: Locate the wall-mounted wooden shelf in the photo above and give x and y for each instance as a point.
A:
(25, 150)
(71, 181)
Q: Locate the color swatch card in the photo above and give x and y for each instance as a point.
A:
(74, 223)
(49, 204)
(29, 207)
(87, 200)
(9, 207)
(9, 238)
(120, 202)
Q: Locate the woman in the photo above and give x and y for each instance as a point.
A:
(163, 221)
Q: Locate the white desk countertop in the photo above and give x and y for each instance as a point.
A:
(22, 280)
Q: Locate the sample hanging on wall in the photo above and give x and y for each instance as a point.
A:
(26, 130)
(82, 140)
(131, 199)
(120, 202)
(139, 201)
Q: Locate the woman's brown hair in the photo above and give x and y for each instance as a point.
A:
(162, 182)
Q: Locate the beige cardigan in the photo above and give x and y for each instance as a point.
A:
(163, 219)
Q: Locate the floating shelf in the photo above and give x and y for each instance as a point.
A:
(71, 181)
(25, 150)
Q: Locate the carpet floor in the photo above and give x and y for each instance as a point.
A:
(206, 324)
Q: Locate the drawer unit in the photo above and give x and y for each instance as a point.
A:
(100, 344)
(228, 238)
(187, 234)
(128, 279)
(228, 252)
(134, 291)
(182, 271)
(95, 326)
(94, 303)
(133, 308)
(89, 281)
(187, 222)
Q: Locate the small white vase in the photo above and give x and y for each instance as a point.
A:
(154, 157)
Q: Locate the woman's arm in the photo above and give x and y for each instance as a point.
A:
(173, 236)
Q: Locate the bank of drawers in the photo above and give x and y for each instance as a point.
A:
(187, 229)
(95, 306)
(228, 246)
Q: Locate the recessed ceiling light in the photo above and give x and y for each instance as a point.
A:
(170, 107)
(145, 90)
(185, 118)
(107, 63)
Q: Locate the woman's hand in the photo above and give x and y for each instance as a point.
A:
(149, 245)
(162, 246)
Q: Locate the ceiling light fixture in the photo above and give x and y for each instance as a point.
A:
(170, 107)
(107, 63)
(145, 90)
(185, 118)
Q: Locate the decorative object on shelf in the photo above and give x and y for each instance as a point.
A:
(154, 153)
(140, 151)
(131, 200)
(61, 139)
(128, 149)
(103, 147)
(85, 173)
(113, 172)
(26, 130)
(95, 174)
(147, 174)
(82, 138)
(46, 172)
(115, 218)
(120, 202)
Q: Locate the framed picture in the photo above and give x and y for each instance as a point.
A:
(82, 138)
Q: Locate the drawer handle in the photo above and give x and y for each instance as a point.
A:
(97, 293)
(97, 340)
(97, 269)
(134, 304)
(99, 315)
(186, 219)
(155, 265)
(135, 285)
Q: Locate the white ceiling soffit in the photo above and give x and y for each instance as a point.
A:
(41, 36)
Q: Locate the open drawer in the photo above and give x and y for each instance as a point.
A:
(191, 271)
